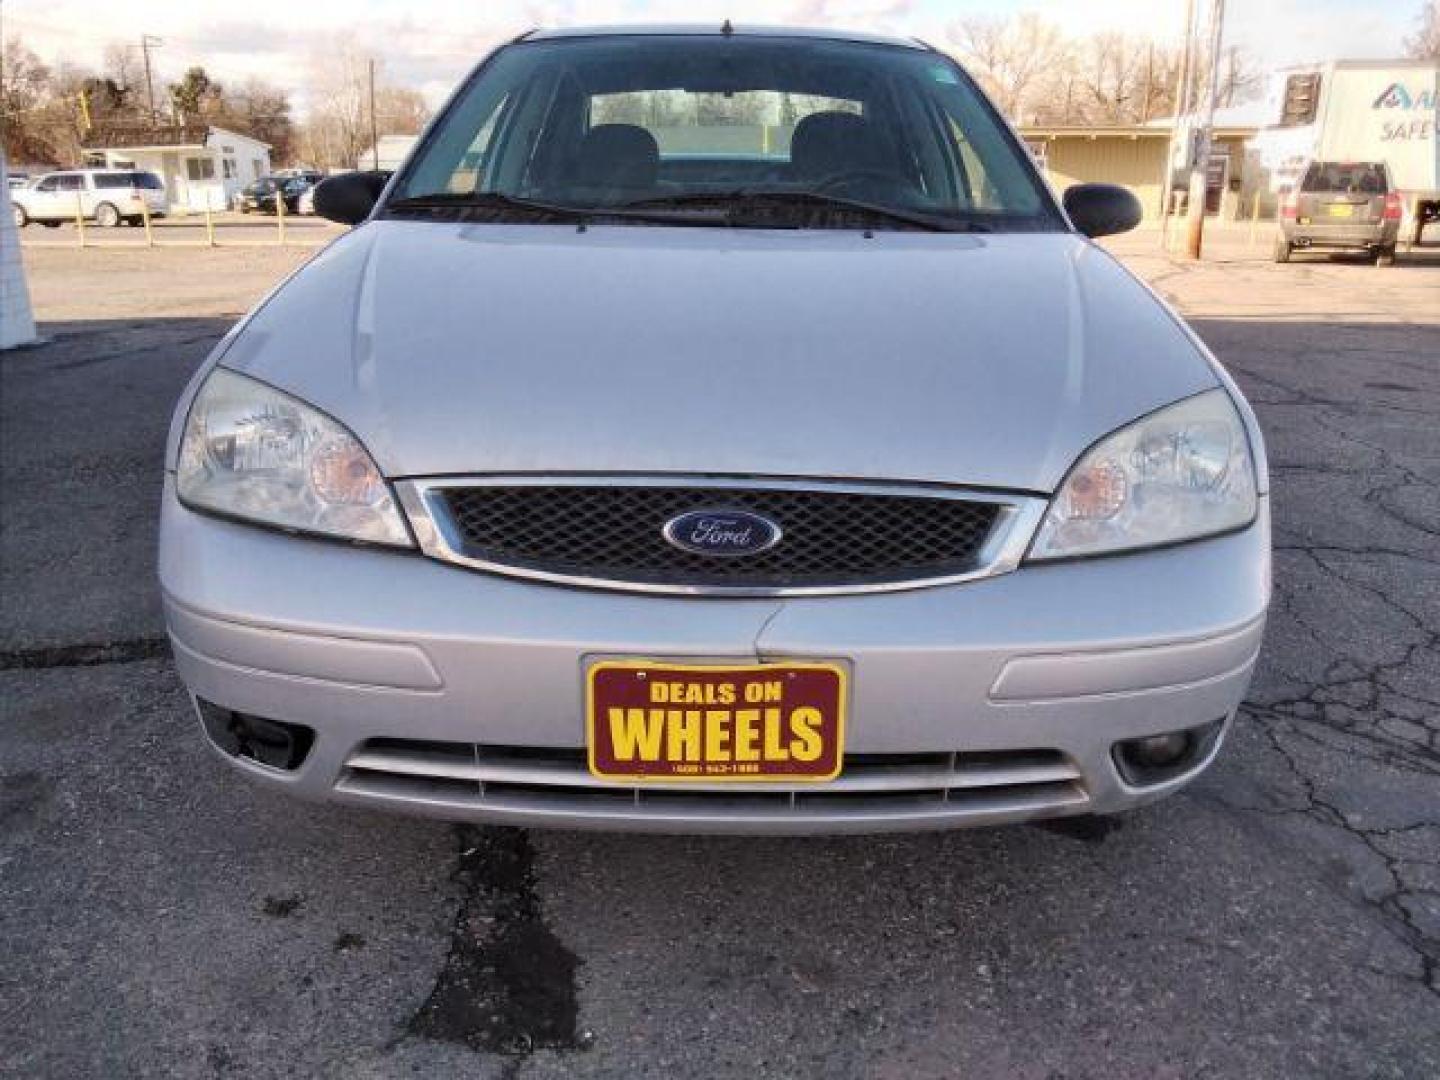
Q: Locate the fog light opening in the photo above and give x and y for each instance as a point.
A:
(272, 743)
(1154, 759)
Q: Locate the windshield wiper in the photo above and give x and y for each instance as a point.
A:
(489, 200)
(491, 203)
(756, 198)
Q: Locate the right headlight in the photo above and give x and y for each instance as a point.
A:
(1181, 473)
(250, 451)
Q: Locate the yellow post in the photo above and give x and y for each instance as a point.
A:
(145, 217)
(209, 222)
(280, 212)
(79, 219)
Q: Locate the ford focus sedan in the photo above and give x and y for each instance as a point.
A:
(716, 430)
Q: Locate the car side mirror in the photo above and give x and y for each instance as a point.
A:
(1097, 209)
(349, 197)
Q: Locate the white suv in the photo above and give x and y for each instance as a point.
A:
(104, 196)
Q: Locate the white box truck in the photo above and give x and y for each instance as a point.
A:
(1373, 111)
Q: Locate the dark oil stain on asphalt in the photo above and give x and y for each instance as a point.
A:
(508, 984)
(282, 907)
(348, 942)
(62, 656)
(1092, 828)
(21, 797)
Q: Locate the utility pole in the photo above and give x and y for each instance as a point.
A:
(1149, 83)
(148, 42)
(1182, 110)
(1199, 166)
(374, 129)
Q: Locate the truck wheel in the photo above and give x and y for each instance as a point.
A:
(1283, 248)
(106, 216)
(1385, 256)
(21, 218)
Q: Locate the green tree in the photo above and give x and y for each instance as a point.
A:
(196, 96)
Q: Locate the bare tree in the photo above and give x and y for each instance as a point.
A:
(1009, 56)
(1424, 44)
(400, 110)
(338, 128)
(25, 83)
(262, 111)
(1113, 75)
(337, 131)
(122, 67)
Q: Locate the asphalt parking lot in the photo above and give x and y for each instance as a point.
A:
(1280, 918)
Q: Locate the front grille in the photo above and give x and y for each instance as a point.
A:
(614, 533)
(871, 788)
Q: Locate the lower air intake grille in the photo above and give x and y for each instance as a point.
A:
(871, 788)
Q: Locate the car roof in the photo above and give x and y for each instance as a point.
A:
(720, 30)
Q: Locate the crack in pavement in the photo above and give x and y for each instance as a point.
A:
(128, 651)
(507, 985)
(1394, 903)
(1372, 699)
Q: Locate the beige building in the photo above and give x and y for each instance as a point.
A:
(1134, 156)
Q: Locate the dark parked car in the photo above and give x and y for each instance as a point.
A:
(1345, 205)
(259, 197)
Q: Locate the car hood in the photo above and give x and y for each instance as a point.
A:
(987, 360)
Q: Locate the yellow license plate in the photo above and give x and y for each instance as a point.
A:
(1339, 209)
(664, 722)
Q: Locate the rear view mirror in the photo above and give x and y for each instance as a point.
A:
(349, 197)
(1097, 209)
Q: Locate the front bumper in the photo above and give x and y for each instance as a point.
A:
(439, 690)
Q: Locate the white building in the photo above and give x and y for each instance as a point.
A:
(202, 166)
(389, 153)
(17, 320)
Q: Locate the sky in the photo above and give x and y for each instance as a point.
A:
(430, 45)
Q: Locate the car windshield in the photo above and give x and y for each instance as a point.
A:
(1349, 178)
(682, 128)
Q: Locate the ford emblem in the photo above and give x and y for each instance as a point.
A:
(722, 532)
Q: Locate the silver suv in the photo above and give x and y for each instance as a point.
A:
(1347, 205)
(105, 196)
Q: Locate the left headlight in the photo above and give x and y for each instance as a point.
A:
(252, 452)
(1181, 473)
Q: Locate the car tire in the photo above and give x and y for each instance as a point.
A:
(21, 218)
(1385, 257)
(1283, 248)
(106, 216)
(134, 222)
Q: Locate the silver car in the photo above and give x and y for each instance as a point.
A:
(716, 430)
